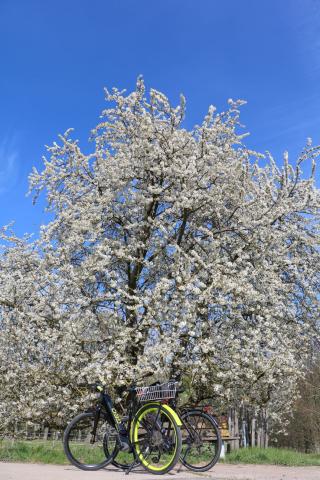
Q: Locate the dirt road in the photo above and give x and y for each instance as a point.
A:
(29, 471)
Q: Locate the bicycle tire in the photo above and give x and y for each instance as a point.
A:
(211, 428)
(77, 445)
(167, 426)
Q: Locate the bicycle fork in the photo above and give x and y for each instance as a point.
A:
(95, 424)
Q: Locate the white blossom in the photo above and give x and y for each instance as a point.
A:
(171, 252)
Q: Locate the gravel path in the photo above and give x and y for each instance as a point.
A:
(30, 471)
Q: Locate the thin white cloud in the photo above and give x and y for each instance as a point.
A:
(8, 164)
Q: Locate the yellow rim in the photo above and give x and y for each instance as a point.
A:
(134, 435)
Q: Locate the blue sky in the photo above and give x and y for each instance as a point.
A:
(57, 56)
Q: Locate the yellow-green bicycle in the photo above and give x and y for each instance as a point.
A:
(151, 431)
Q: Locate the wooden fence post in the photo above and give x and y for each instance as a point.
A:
(231, 426)
(259, 437)
(253, 432)
(236, 429)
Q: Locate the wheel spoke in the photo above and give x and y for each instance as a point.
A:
(84, 447)
(156, 439)
(201, 441)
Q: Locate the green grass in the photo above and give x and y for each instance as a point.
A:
(272, 456)
(32, 451)
(52, 452)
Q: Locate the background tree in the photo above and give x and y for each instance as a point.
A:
(303, 425)
(171, 252)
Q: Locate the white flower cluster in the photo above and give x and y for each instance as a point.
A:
(172, 252)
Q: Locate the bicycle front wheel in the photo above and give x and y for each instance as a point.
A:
(85, 450)
(156, 438)
(201, 441)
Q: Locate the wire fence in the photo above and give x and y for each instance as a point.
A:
(243, 427)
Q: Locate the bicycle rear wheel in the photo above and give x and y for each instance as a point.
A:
(201, 441)
(82, 449)
(156, 438)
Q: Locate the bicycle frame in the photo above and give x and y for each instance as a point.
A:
(105, 406)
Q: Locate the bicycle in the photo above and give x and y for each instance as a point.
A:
(201, 438)
(151, 432)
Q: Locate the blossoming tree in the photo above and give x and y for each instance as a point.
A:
(172, 252)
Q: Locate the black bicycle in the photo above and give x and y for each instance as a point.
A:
(201, 438)
(150, 434)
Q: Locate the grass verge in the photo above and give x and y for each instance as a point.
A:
(52, 452)
(273, 456)
(32, 451)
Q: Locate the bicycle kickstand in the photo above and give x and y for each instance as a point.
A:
(132, 466)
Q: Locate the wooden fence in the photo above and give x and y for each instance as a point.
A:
(240, 428)
(247, 428)
(34, 431)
